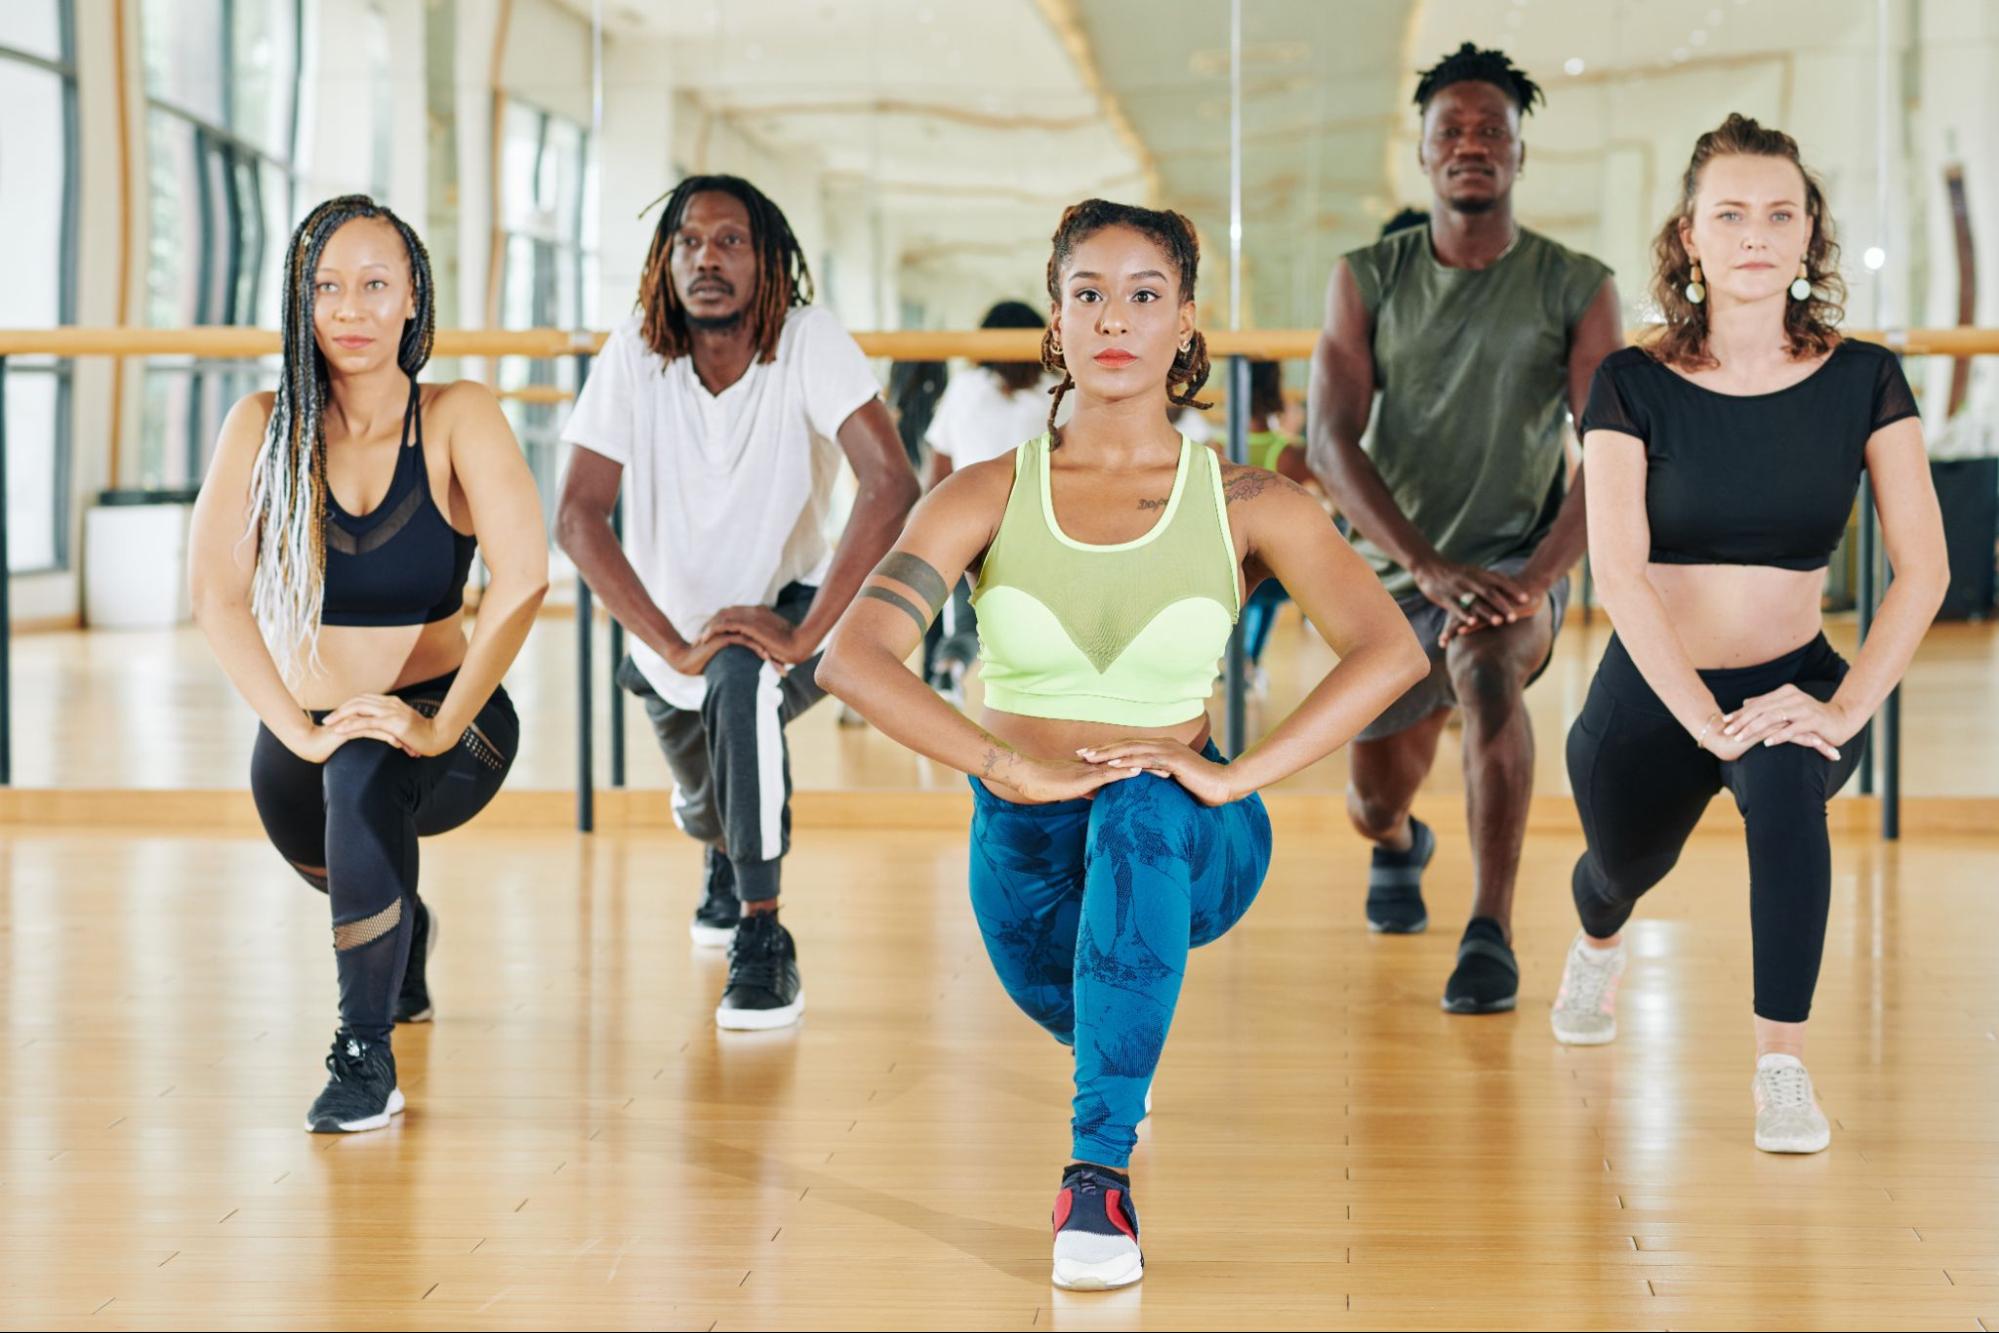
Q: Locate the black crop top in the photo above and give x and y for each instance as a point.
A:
(401, 563)
(1750, 479)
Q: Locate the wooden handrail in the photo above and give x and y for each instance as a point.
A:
(233, 343)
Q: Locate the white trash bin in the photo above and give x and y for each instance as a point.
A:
(135, 565)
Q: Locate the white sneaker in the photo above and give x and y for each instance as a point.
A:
(1788, 1118)
(1096, 1232)
(1585, 1012)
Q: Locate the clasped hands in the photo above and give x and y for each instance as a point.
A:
(757, 628)
(1785, 716)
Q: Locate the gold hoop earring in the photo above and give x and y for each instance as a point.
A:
(1696, 290)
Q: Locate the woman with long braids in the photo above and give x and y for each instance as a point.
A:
(330, 550)
(1723, 459)
(1108, 835)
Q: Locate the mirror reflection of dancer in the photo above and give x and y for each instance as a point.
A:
(729, 399)
(1476, 334)
(338, 614)
(1723, 460)
(1108, 835)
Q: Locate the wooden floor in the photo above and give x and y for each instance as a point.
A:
(150, 709)
(582, 1147)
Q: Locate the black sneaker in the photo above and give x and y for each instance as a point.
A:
(1395, 884)
(1096, 1231)
(763, 990)
(714, 924)
(1487, 978)
(362, 1094)
(413, 1001)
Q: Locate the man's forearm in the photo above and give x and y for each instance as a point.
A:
(1350, 477)
(599, 558)
(879, 512)
(1566, 540)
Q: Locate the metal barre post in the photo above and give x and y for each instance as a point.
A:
(1238, 453)
(617, 660)
(586, 810)
(1865, 599)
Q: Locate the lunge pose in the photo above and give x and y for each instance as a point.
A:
(1723, 458)
(1476, 335)
(1113, 555)
(330, 550)
(730, 398)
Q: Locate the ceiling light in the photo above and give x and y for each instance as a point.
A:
(1714, 18)
(1680, 54)
(1698, 37)
(1572, 66)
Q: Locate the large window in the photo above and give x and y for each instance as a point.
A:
(222, 120)
(548, 269)
(38, 176)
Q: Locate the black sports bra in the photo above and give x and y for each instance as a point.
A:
(402, 563)
(1751, 479)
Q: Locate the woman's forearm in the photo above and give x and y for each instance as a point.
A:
(1892, 640)
(239, 645)
(882, 689)
(1647, 633)
(1367, 680)
(506, 614)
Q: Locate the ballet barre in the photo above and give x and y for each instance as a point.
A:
(1233, 350)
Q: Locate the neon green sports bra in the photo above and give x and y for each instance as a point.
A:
(1127, 634)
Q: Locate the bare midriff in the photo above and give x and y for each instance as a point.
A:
(1053, 738)
(378, 659)
(1739, 615)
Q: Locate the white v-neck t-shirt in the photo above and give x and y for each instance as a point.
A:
(727, 495)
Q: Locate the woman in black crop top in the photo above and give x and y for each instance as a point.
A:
(330, 550)
(1724, 458)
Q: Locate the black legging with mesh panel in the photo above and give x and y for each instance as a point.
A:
(350, 828)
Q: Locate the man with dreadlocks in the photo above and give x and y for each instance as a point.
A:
(1474, 333)
(730, 398)
(338, 613)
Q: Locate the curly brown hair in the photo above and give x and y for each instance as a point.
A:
(1810, 325)
(1175, 235)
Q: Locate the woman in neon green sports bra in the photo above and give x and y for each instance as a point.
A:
(1108, 835)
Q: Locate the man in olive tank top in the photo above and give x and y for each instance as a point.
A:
(1449, 355)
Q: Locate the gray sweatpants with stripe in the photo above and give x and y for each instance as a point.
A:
(731, 765)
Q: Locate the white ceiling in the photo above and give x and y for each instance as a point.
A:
(968, 125)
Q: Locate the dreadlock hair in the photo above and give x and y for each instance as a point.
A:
(1810, 325)
(1174, 234)
(288, 486)
(783, 278)
(1470, 64)
(1014, 376)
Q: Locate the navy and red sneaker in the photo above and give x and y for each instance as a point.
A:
(1096, 1231)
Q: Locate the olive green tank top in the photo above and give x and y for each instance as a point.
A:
(1471, 378)
(1127, 634)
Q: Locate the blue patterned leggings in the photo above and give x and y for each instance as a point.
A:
(1088, 909)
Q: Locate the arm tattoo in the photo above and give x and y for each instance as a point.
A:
(1251, 482)
(918, 576)
(900, 603)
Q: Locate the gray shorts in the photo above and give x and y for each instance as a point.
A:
(1435, 690)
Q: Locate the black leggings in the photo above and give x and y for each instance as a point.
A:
(349, 827)
(1641, 784)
